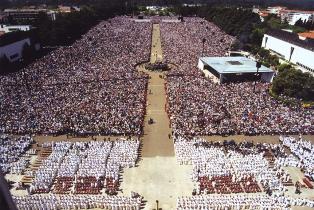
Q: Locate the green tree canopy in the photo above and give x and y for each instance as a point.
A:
(294, 83)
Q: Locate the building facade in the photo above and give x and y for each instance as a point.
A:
(11, 28)
(14, 50)
(292, 16)
(289, 47)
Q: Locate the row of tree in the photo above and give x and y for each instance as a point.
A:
(308, 25)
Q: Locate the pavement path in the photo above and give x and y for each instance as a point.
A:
(158, 176)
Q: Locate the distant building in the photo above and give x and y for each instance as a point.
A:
(291, 48)
(275, 10)
(67, 9)
(233, 69)
(292, 16)
(28, 14)
(306, 35)
(11, 28)
(12, 44)
(13, 51)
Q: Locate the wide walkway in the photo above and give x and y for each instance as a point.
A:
(159, 176)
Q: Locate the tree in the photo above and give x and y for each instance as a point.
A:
(299, 23)
(283, 67)
(294, 83)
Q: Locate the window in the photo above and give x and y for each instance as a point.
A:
(14, 56)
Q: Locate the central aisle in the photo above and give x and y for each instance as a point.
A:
(159, 176)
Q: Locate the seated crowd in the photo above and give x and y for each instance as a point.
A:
(89, 87)
(245, 201)
(13, 153)
(197, 106)
(68, 202)
(221, 168)
(304, 151)
(85, 167)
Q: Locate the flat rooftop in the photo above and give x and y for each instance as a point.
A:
(233, 65)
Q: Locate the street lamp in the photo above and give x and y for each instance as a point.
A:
(258, 65)
(203, 40)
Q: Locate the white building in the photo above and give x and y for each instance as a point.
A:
(11, 28)
(14, 50)
(289, 47)
(233, 69)
(292, 16)
(275, 10)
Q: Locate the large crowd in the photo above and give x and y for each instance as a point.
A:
(92, 87)
(13, 153)
(89, 87)
(84, 167)
(197, 106)
(230, 168)
(182, 43)
(51, 201)
(303, 153)
(246, 201)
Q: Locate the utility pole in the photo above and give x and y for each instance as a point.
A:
(203, 40)
(258, 65)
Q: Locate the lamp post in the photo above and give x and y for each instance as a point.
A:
(157, 202)
(203, 40)
(258, 65)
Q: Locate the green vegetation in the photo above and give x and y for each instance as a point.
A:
(293, 83)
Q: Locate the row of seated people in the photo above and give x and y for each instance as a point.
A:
(63, 185)
(225, 185)
(88, 185)
(220, 184)
(250, 185)
(85, 185)
(111, 185)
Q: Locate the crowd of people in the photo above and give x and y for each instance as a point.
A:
(246, 201)
(304, 151)
(227, 169)
(184, 42)
(89, 87)
(222, 168)
(197, 106)
(85, 167)
(13, 152)
(51, 201)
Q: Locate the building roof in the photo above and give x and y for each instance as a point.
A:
(309, 35)
(297, 11)
(292, 38)
(233, 65)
